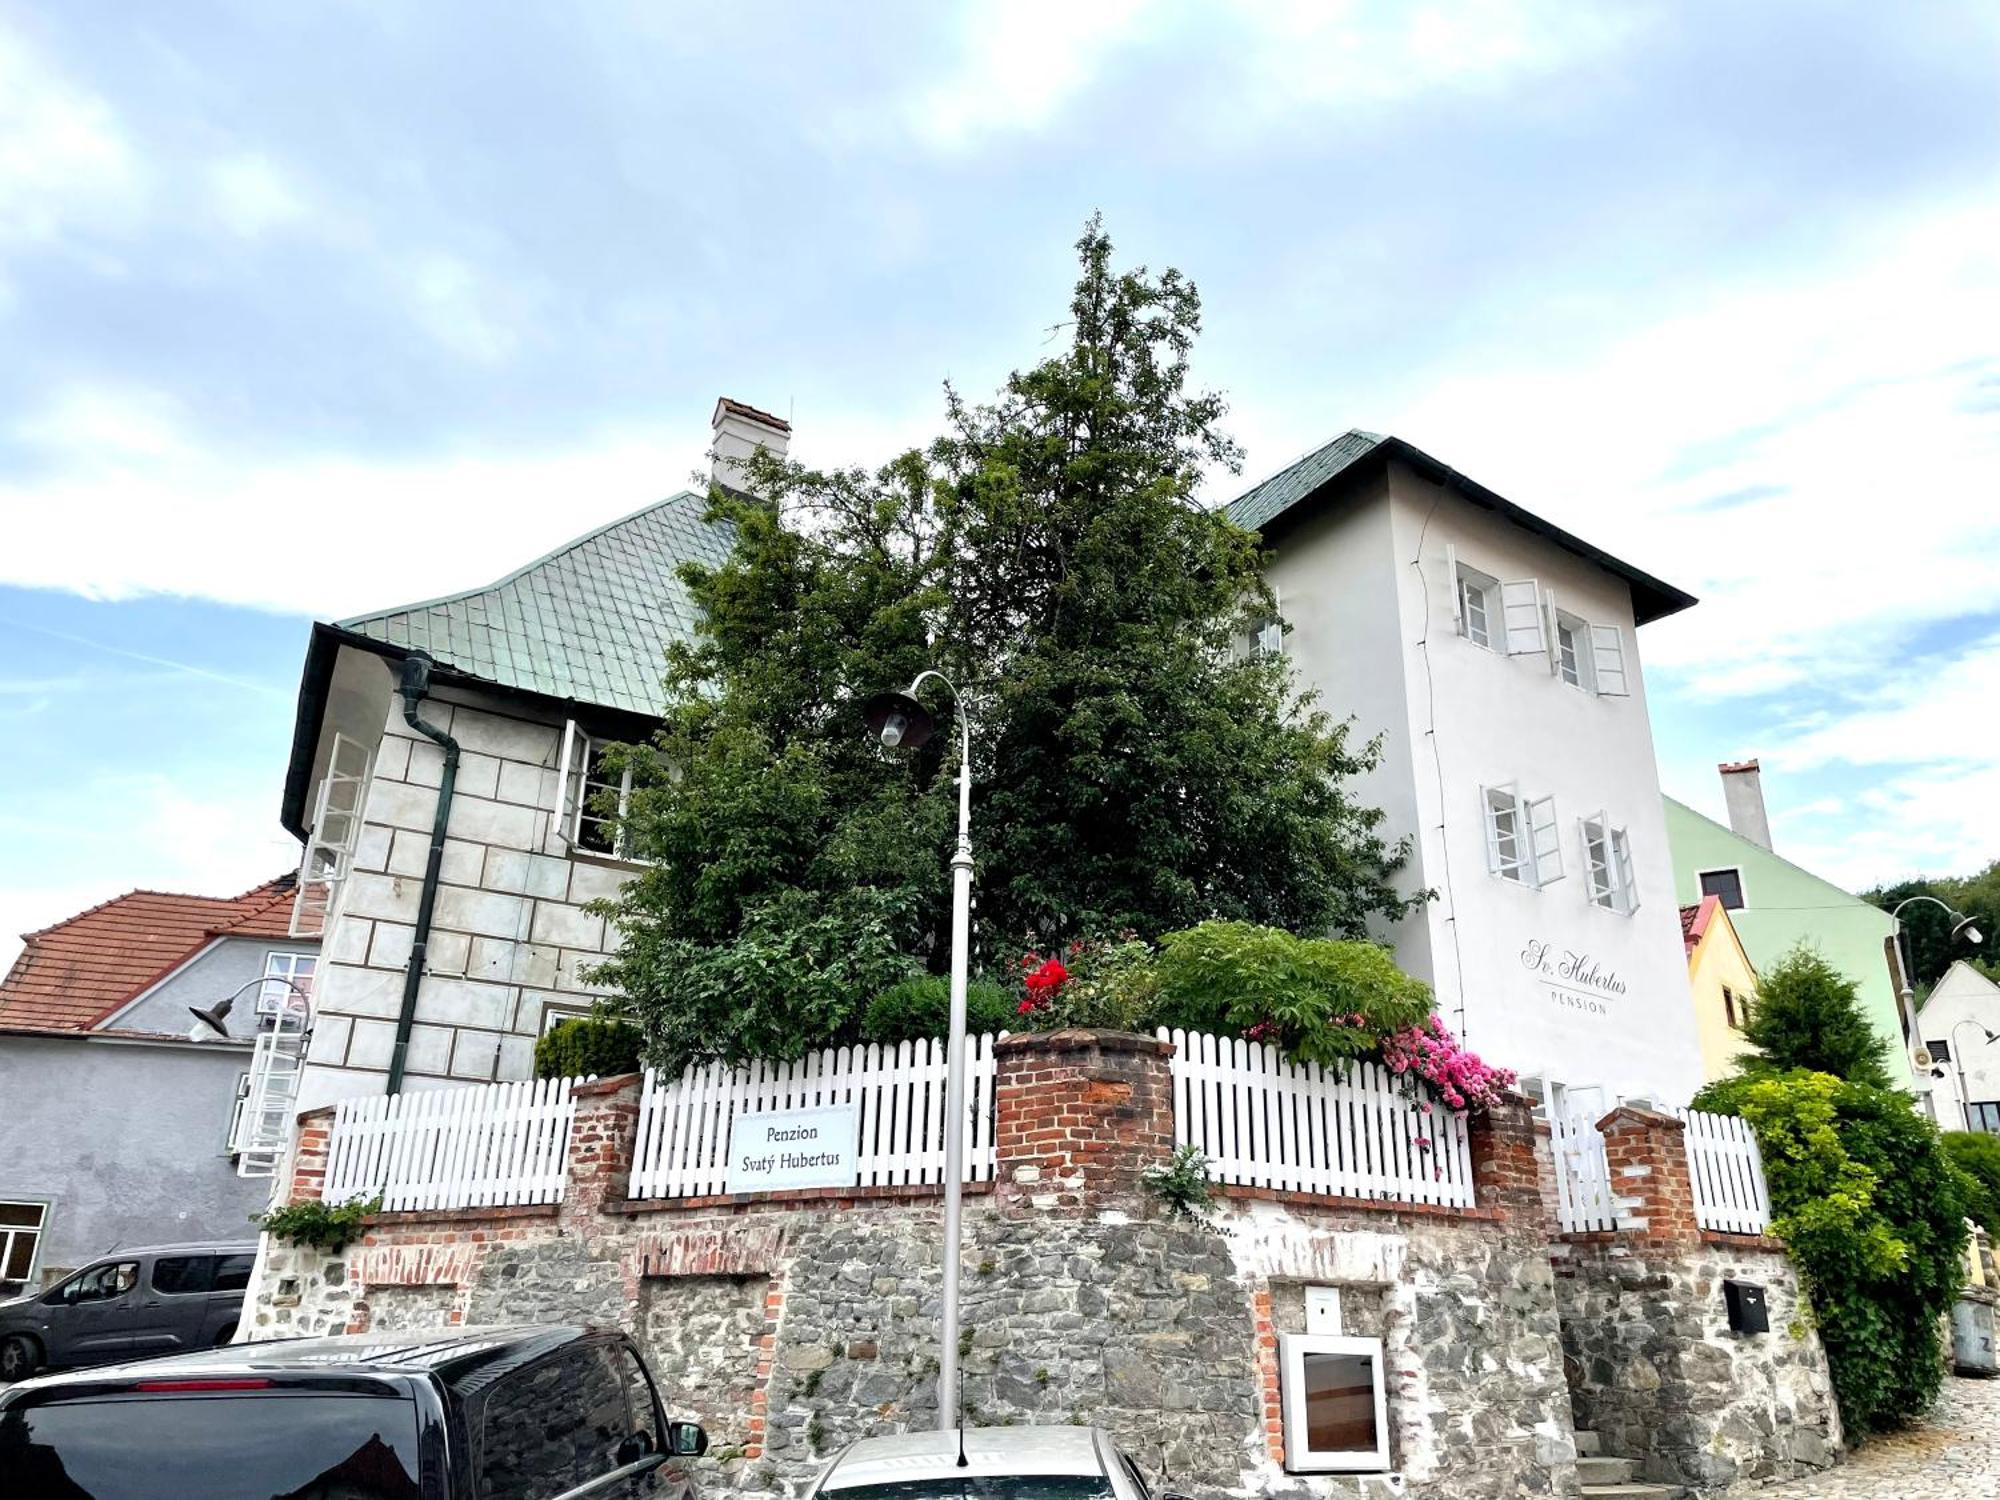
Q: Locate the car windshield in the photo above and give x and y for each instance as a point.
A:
(983, 1487)
(218, 1447)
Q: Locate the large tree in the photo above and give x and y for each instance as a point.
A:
(1807, 1014)
(1135, 767)
(1927, 931)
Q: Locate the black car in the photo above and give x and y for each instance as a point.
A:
(492, 1413)
(163, 1299)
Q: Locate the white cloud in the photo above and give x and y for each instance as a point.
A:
(65, 163)
(1938, 712)
(254, 196)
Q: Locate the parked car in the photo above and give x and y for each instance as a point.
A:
(164, 1300)
(1001, 1463)
(482, 1413)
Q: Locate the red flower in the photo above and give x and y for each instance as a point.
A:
(1049, 977)
(1028, 1007)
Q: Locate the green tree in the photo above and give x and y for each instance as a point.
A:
(1977, 1154)
(1808, 1015)
(1927, 931)
(1135, 768)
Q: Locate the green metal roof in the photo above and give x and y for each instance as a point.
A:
(590, 622)
(1284, 489)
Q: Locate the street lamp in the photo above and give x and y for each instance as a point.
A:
(899, 721)
(1963, 929)
(213, 1024)
(1958, 1065)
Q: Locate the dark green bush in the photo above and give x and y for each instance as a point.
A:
(1977, 1155)
(318, 1224)
(587, 1045)
(920, 1008)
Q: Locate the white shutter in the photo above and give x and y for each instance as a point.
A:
(1596, 858)
(1549, 636)
(1607, 654)
(1545, 841)
(1521, 613)
(1495, 802)
(1270, 637)
(1628, 885)
(336, 825)
(1457, 589)
(568, 807)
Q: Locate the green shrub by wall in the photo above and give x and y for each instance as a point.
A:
(587, 1045)
(920, 1008)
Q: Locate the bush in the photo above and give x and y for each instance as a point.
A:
(1867, 1198)
(921, 1008)
(1808, 1015)
(1977, 1155)
(1323, 1000)
(1107, 986)
(587, 1045)
(318, 1224)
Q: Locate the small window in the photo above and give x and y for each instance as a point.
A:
(1335, 1408)
(1729, 1009)
(1607, 862)
(1475, 601)
(181, 1275)
(282, 972)
(1522, 843)
(1725, 885)
(592, 800)
(554, 1015)
(21, 1226)
(1984, 1117)
(1939, 1051)
(1573, 663)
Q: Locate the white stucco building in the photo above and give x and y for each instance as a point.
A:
(1957, 1021)
(1497, 656)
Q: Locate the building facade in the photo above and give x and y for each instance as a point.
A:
(1724, 982)
(529, 678)
(117, 1129)
(1958, 1021)
(1497, 659)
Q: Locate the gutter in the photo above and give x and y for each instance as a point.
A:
(414, 684)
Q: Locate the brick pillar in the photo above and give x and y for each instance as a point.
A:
(1649, 1178)
(1506, 1169)
(1078, 1116)
(601, 1141)
(309, 1155)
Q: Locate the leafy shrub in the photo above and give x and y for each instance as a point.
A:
(1808, 1015)
(1866, 1196)
(1323, 1000)
(1110, 986)
(586, 1045)
(1180, 1183)
(316, 1223)
(920, 1008)
(1977, 1154)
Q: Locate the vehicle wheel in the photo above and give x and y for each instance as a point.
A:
(228, 1332)
(19, 1355)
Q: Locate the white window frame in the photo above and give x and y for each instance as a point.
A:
(1521, 625)
(574, 789)
(336, 829)
(1475, 602)
(10, 1233)
(233, 1143)
(279, 966)
(1300, 1458)
(1537, 838)
(1607, 866)
(1268, 638)
(1574, 664)
(1607, 662)
(1742, 889)
(554, 1014)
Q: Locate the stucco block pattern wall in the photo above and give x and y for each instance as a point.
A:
(510, 935)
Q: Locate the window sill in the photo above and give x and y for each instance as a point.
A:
(608, 861)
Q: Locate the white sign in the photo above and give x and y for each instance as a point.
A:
(794, 1148)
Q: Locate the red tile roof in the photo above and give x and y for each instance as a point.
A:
(76, 973)
(1695, 920)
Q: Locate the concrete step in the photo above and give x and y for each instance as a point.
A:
(1629, 1492)
(1588, 1445)
(1596, 1470)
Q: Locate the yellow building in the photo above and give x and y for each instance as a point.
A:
(1724, 984)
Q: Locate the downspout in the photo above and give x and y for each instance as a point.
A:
(414, 685)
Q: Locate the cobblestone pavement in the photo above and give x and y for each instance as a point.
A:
(1954, 1456)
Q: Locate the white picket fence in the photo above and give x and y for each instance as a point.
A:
(1583, 1175)
(1723, 1164)
(1262, 1121)
(1728, 1172)
(489, 1144)
(683, 1145)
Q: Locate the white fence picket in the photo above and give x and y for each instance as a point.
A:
(473, 1147)
(1727, 1171)
(1262, 1121)
(1583, 1175)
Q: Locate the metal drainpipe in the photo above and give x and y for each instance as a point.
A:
(415, 685)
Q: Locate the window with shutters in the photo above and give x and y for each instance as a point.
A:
(591, 798)
(1475, 603)
(336, 826)
(1267, 633)
(1573, 660)
(1607, 862)
(1522, 843)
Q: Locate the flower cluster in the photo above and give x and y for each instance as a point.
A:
(1431, 1053)
(1043, 979)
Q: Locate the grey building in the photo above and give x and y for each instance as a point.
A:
(115, 1128)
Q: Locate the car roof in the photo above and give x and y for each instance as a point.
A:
(464, 1358)
(190, 1247)
(989, 1451)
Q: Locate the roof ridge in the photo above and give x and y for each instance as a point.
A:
(1307, 456)
(592, 535)
(1792, 863)
(137, 890)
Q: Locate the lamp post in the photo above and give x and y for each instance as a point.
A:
(1962, 926)
(1958, 1065)
(899, 721)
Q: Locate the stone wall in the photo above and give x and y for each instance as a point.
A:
(790, 1325)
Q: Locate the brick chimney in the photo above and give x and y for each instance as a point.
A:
(738, 432)
(1743, 790)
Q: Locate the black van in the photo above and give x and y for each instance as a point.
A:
(166, 1299)
(484, 1413)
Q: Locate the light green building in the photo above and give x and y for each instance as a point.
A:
(1774, 905)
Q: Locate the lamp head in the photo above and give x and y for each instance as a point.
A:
(209, 1024)
(1967, 929)
(898, 720)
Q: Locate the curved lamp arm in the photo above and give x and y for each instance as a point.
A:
(214, 1022)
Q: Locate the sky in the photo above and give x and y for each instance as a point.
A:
(308, 310)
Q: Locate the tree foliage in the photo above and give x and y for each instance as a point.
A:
(1808, 1015)
(1977, 1154)
(1927, 931)
(1133, 768)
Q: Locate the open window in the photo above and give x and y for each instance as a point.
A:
(1607, 661)
(1475, 601)
(591, 800)
(1523, 843)
(1267, 632)
(1607, 861)
(1570, 650)
(1335, 1404)
(336, 826)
